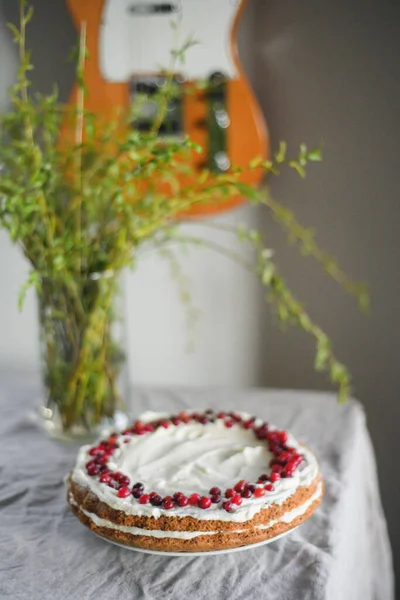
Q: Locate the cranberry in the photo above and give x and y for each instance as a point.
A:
(165, 424)
(123, 492)
(97, 450)
(216, 499)
(227, 506)
(248, 424)
(137, 492)
(205, 502)
(259, 492)
(144, 499)
(236, 499)
(215, 491)
(155, 499)
(269, 487)
(194, 499)
(229, 493)
(221, 415)
(263, 477)
(182, 501)
(235, 417)
(118, 476)
(149, 428)
(139, 428)
(239, 487)
(176, 421)
(93, 469)
(246, 493)
(285, 456)
(274, 477)
(184, 417)
(203, 420)
(124, 481)
(177, 495)
(168, 503)
(283, 437)
(277, 468)
(112, 484)
(105, 478)
(229, 424)
(251, 487)
(138, 485)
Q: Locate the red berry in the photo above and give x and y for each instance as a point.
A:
(184, 417)
(215, 491)
(269, 487)
(215, 499)
(176, 421)
(194, 499)
(239, 487)
(235, 417)
(259, 492)
(155, 499)
(277, 468)
(229, 424)
(205, 502)
(97, 450)
(137, 492)
(202, 419)
(165, 424)
(123, 492)
(263, 477)
(168, 503)
(138, 486)
(112, 484)
(248, 424)
(283, 437)
(221, 415)
(246, 493)
(236, 499)
(105, 478)
(251, 487)
(227, 506)
(182, 501)
(149, 428)
(229, 493)
(274, 477)
(124, 481)
(118, 475)
(144, 499)
(92, 469)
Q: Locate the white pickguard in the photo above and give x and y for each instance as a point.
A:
(133, 44)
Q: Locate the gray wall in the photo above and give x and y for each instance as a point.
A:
(323, 70)
(331, 70)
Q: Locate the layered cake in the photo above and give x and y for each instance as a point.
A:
(195, 481)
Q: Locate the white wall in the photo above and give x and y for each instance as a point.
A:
(226, 336)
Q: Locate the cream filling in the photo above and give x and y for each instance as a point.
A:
(287, 518)
(193, 458)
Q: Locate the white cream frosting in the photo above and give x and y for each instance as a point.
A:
(193, 458)
(287, 518)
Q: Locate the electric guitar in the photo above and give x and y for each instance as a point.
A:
(128, 40)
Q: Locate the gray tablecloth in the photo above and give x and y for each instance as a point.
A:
(341, 553)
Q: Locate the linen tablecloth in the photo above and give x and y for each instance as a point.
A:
(341, 553)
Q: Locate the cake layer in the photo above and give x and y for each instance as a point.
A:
(164, 541)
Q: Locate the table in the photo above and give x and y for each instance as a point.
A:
(341, 553)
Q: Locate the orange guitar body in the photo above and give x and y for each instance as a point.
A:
(246, 135)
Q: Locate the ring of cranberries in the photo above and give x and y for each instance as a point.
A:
(284, 463)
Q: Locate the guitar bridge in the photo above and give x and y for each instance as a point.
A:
(146, 93)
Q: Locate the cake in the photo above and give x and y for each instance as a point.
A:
(195, 482)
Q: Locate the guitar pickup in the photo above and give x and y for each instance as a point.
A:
(152, 9)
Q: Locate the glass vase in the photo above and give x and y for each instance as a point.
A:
(82, 357)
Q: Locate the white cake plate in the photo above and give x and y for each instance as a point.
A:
(190, 554)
